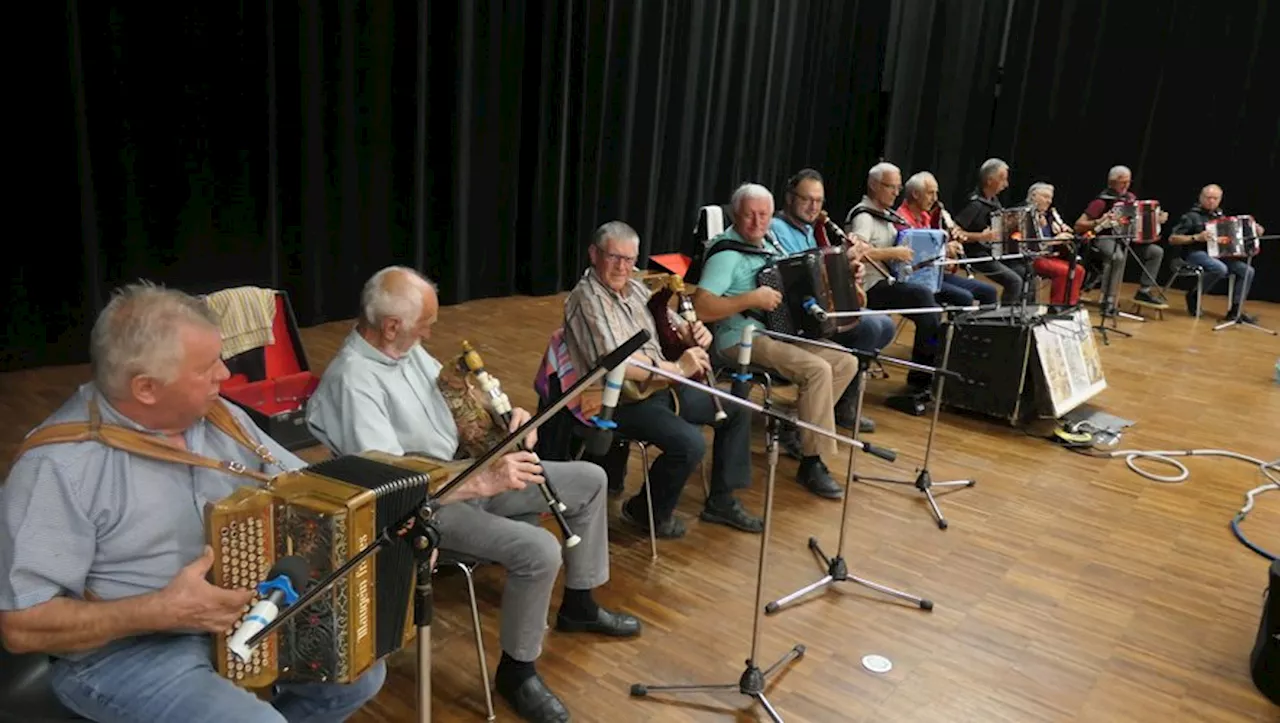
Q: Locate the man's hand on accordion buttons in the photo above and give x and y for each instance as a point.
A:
(194, 604)
(519, 417)
(513, 471)
(765, 298)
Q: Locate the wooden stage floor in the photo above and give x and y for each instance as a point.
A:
(1066, 589)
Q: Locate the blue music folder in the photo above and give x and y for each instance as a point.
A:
(928, 244)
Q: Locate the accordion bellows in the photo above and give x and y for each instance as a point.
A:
(325, 513)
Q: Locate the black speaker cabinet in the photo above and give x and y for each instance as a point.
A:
(994, 355)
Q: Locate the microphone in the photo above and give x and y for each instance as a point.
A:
(814, 309)
(599, 442)
(286, 577)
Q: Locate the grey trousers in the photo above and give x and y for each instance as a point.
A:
(1113, 255)
(531, 554)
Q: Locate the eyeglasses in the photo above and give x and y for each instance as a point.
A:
(620, 259)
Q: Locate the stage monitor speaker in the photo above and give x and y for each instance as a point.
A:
(1018, 368)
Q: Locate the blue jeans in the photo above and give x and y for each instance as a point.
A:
(171, 678)
(959, 290)
(1216, 270)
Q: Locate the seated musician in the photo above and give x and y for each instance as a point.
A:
(874, 219)
(794, 228)
(975, 219)
(608, 306)
(729, 295)
(380, 393)
(1096, 218)
(1189, 232)
(922, 209)
(1055, 268)
(103, 560)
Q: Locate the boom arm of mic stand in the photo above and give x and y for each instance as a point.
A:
(869, 356)
(881, 452)
(426, 510)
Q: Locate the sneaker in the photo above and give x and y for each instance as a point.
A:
(730, 512)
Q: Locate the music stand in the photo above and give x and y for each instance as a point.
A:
(752, 681)
(1244, 296)
(417, 529)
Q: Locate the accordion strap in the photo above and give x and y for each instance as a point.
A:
(145, 445)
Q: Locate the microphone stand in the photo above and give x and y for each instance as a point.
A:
(1244, 296)
(752, 681)
(923, 480)
(417, 529)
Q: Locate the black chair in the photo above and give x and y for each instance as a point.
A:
(25, 692)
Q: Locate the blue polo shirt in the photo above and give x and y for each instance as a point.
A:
(793, 239)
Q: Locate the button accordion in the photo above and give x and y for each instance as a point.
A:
(1236, 237)
(818, 276)
(325, 513)
(1139, 220)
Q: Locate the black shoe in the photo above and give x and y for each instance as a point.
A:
(815, 477)
(532, 700)
(1193, 303)
(730, 512)
(844, 418)
(789, 441)
(635, 512)
(606, 622)
(1149, 297)
(1244, 318)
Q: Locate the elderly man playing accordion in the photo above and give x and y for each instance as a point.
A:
(975, 218)
(381, 393)
(922, 209)
(608, 306)
(1190, 233)
(794, 227)
(103, 559)
(1099, 216)
(729, 295)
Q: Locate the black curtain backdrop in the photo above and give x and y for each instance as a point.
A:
(303, 146)
(1181, 91)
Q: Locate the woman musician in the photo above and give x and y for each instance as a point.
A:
(1062, 268)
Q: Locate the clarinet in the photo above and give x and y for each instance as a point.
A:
(500, 407)
(833, 228)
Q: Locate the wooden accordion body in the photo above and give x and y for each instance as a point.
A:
(325, 513)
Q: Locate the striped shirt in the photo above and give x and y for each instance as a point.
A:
(246, 315)
(84, 516)
(598, 320)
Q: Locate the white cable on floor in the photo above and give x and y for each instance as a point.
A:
(1165, 456)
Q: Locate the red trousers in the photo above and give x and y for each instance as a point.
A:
(1056, 271)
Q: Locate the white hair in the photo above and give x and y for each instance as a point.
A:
(1036, 188)
(139, 332)
(880, 170)
(616, 230)
(1118, 171)
(748, 192)
(989, 168)
(383, 298)
(915, 184)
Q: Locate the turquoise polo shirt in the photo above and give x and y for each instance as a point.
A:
(731, 273)
(793, 240)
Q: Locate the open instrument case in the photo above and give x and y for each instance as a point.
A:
(273, 383)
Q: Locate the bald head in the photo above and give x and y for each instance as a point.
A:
(399, 306)
(1211, 197)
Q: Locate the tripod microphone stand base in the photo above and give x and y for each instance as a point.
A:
(925, 484)
(838, 571)
(1240, 322)
(751, 684)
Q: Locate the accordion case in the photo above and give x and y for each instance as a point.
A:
(325, 513)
